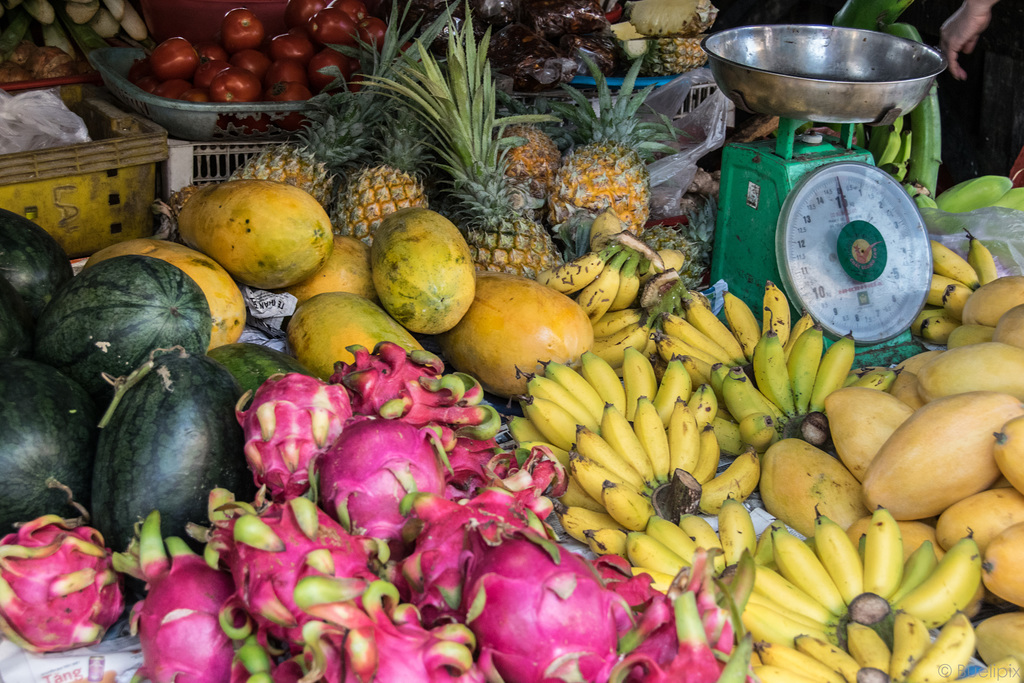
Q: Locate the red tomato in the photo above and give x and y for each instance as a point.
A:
(287, 91)
(210, 50)
(138, 69)
(289, 70)
(371, 30)
(332, 26)
(174, 58)
(172, 88)
(253, 60)
(241, 29)
(207, 70)
(195, 95)
(235, 84)
(295, 44)
(148, 83)
(328, 57)
(298, 12)
(355, 8)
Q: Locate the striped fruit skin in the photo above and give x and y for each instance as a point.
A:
(108, 318)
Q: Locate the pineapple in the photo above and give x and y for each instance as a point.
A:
(457, 103)
(533, 163)
(692, 237)
(607, 168)
(292, 163)
(674, 55)
(684, 18)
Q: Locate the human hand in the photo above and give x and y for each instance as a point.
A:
(960, 32)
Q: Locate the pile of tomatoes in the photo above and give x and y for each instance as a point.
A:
(246, 65)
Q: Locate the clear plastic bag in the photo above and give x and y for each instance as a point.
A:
(1000, 229)
(38, 119)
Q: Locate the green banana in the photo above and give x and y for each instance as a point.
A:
(888, 145)
(973, 193)
(874, 15)
(1012, 199)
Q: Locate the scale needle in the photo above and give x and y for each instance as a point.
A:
(843, 204)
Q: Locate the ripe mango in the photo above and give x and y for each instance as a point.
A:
(1010, 328)
(1001, 563)
(987, 366)
(860, 420)
(990, 301)
(982, 515)
(999, 636)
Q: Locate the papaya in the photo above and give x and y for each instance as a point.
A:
(1010, 328)
(914, 533)
(990, 301)
(347, 270)
(860, 419)
(1001, 563)
(267, 234)
(423, 270)
(941, 454)
(227, 306)
(982, 516)
(986, 366)
(513, 326)
(1000, 636)
(325, 325)
(800, 481)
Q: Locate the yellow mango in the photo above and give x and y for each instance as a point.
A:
(913, 363)
(799, 480)
(904, 387)
(1008, 452)
(999, 636)
(990, 301)
(914, 533)
(941, 454)
(1001, 563)
(988, 366)
(982, 515)
(1010, 328)
(860, 420)
(965, 335)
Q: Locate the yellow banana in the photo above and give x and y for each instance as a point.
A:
(802, 366)
(937, 328)
(742, 397)
(601, 375)
(763, 552)
(1004, 670)
(910, 640)
(803, 323)
(675, 385)
(876, 378)
(771, 673)
(947, 262)
(839, 556)
(916, 568)
(954, 298)
(832, 371)
(572, 276)
(708, 456)
(683, 330)
(576, 496)
(741, 320)
(703, 403)
(660, 581)
(611, 349)
(576, 521)
(629, 508)
(704, 319)
(643, 550)
(591, 476)
(683, 439)
(618, 432)
(775, 586)
(604, 226)
(736, 530)
(606, 541)
(883, 554)
(867, 647)
(591, 445)
(560, 454)
(922, 315)
(629, 283)
(670, 346)
(577, 385)
(542, 387)
(596, 298)
(791, 659)
(758, 431)
(736, 482)
(950, 587)
(771, 373)
(948, 655)
(705, 536)
(728, 434)
(700, 371)
(638, 378)
(616, 321)
(653, 436)
(776, 315)
(973, 193)
(828, 654)
(798, 563)
(937, 289)
(552, 420)
(981, 259)
(795, 616)
(522, 430)
(772, 627)
(674, 538)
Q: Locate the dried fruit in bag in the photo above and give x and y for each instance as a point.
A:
(495, 13)
(553, 19)
(533, 63)
(599, 47)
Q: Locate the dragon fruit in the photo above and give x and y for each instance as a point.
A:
(58, 586)
(178, 619)
(252, 663)
(371, 467)
(540, 612)
(269, 547)
(293, 418)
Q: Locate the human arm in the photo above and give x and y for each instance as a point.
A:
(960, 32)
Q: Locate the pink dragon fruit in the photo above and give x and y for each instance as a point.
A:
(252, 663)
(58, 586)
(293, 418)
(178, 619)
(268, 548)
(540, 612)
(371, 467)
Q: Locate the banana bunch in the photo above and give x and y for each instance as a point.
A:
(954, 278)
(980, 192)
(890, 147)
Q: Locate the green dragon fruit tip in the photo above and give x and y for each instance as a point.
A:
(253, 531)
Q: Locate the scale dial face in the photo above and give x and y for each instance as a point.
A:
(853, 251)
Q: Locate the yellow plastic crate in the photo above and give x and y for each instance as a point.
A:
(93, 194)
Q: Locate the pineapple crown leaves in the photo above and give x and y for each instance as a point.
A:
(617, 120)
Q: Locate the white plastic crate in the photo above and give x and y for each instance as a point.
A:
(199, 163)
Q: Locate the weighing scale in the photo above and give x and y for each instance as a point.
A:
(809, 211)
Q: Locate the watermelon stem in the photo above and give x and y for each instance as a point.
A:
(124, 383)
(83, 514)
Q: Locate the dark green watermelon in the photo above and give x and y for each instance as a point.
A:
(47, 433)
(110, 316)
(168, 440)
(32, 260)
(16, 322)
(252, 364)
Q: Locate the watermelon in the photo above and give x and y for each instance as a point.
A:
(252, 364)
(48, 436)
(109, 317)
(168, 438)
(15, 322)
(32, 260)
